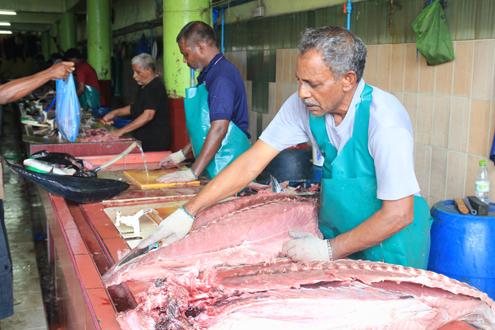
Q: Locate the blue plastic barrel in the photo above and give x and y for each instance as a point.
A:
(463, 246)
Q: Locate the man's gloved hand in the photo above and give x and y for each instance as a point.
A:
(178, 176)
(173, 160)
(306, 247)
(171, 229)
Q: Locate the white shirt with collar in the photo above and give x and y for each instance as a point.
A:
(390, 138)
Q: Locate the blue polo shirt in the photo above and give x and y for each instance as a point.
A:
(226, 93)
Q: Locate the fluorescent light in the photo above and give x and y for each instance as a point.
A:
(7, 12)
(5, 32)
(4, 24)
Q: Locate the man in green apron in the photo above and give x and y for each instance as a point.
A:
(216, 109)
(369, 205)
(88, 86)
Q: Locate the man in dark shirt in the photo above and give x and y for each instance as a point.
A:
(149, 111)
(227, 99)
(88, 87)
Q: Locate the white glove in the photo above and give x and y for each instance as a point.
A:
(171, 229)
(173, 160)
(178, 176)
(305, 247)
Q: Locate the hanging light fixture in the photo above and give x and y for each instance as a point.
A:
(5, 32)
(7, 12)
(4, 24)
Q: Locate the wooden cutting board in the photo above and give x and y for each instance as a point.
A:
(147, 182)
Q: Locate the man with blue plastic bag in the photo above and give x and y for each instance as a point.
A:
(11, 92)
(18, 88)
(216, 109)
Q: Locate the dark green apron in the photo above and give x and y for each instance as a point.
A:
(348, 194)
(90, 98)
(198, 124)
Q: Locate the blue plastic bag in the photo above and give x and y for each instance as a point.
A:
(67, 111)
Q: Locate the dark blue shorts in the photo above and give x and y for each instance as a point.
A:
(6, 296)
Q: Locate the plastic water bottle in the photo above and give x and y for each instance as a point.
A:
(482, 184)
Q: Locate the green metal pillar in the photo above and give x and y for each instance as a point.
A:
(67, 30)
(53, 37)
(99, 37)
(45, 44)
(175, 15)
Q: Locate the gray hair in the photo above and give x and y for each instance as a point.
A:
(342, 51)
(145, 61)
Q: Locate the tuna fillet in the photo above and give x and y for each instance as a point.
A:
(246, 230)
(284, 295)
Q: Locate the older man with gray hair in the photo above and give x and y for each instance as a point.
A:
(149, 111)
(370, 206)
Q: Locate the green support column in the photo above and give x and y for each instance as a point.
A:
(67, 30)
(45, 44)
(175, 15)
(99, 36)
(53, 35)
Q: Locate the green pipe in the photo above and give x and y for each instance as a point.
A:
(67, 30)
(99, 37)
(176, 14)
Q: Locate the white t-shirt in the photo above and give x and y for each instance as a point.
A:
(390, 138)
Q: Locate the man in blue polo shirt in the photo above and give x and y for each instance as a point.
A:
(216, 109)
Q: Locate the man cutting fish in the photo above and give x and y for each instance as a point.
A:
(216, 109)
(370, 206)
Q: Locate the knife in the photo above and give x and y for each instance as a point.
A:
(135, 253)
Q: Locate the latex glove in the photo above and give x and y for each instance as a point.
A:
(171, 229)
(178, 176)
(173, 160)
(306, 247)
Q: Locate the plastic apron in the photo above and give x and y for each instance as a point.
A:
(197, 111)
(348, 194)
(90, 98)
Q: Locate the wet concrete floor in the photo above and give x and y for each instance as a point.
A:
(24, 220)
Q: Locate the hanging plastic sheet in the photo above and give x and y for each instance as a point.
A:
(67, 113)
(433, 38)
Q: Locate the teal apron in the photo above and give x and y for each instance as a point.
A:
(233, 144)
(90, 98)
(348, 194)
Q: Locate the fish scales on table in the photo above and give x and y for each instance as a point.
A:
(345, 294)
(246, 230)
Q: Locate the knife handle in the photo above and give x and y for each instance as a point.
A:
(461, 207)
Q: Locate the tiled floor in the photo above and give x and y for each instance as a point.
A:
(29, 312)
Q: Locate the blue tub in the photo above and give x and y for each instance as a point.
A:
(463, 246)
(119, 122)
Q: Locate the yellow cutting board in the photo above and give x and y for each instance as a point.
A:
(146, 182)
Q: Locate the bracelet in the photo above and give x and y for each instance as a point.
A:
(330, 249)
